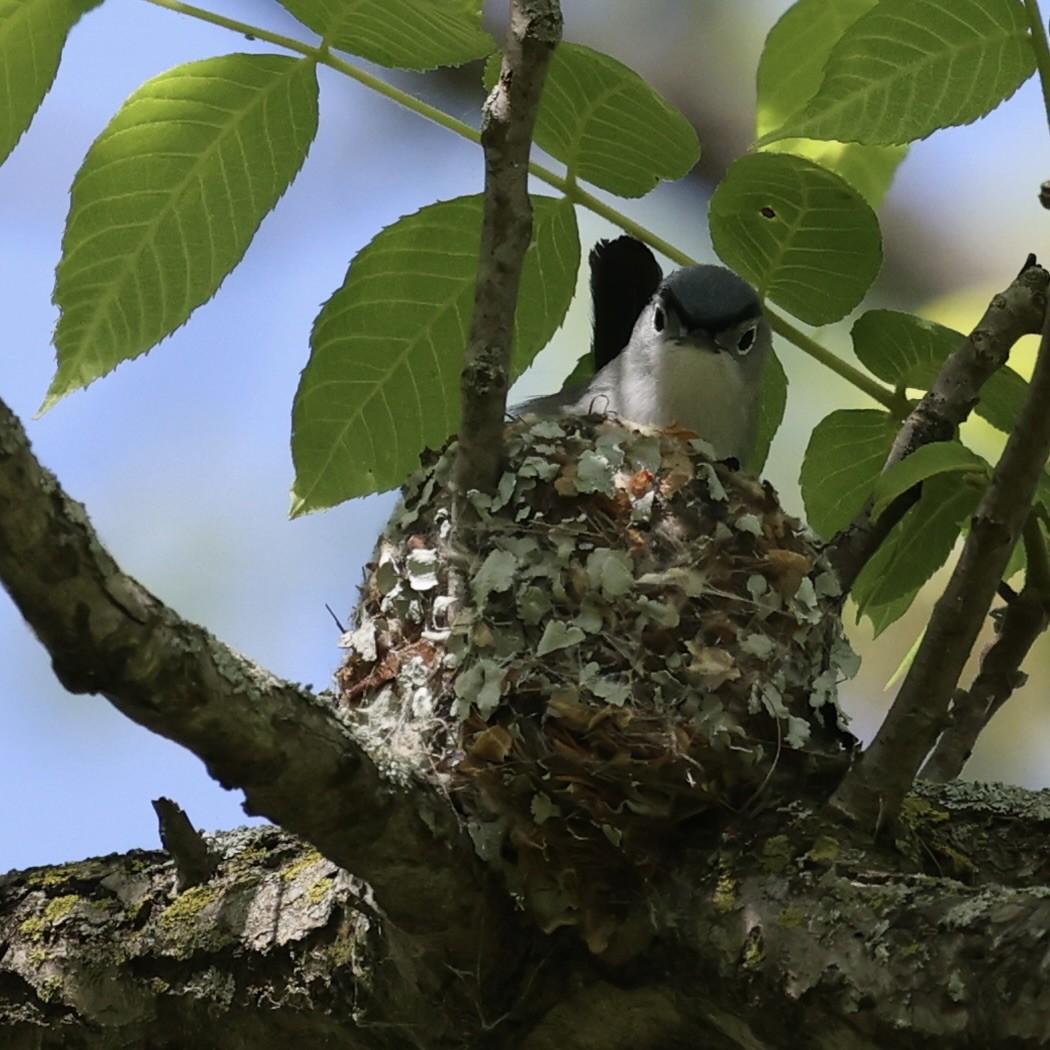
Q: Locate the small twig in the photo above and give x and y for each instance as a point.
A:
(1037, 35)
(872, 792)
(194, 862)
(506, 135)
(1017, 311)
(1024, 618)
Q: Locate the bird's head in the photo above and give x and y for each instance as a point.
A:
(708, 308)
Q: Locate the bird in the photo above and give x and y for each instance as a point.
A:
(692, 349)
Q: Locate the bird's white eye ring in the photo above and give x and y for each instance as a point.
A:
(659, 321)
(746, 340)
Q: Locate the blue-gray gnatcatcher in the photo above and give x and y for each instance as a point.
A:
(694, 356)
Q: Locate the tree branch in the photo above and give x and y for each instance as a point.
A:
(873, 790)
(1019, 624)
(1015, 312)
(296, 762)
(506, 135)
(895, 964)
(783, 935)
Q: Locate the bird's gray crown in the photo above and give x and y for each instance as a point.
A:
(709, 297)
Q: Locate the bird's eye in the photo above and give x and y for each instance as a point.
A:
(659, 320)
(746, 340)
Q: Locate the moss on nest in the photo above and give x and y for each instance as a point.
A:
(648, 642)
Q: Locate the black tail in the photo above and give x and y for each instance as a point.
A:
(624, 276)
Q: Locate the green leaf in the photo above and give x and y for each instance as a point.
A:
(168, 199)
(609, 127)
(1018, 560)
(868, 169)
(940, 457)
(908, 67)
(901, 348)
(909, 658)
(403, 34)
(32, 35)
(883, 616)
(908, 351)
(914, 550)
(790, 72)
(846, 453)
(795, 53)
(770, 412)
(581, 372)
(801, 234)
(1002, 398)
(382, 382)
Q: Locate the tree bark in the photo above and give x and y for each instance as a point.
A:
(785, 935)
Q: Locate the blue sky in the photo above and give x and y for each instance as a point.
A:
(182, 457)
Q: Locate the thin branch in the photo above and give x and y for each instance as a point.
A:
(1024, 618)
(873, 790)
(895, 401)
(1041, 49)
(506, 135)
(286, 748)
(1015, 312)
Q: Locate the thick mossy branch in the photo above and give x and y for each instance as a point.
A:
(785, 934)
(842, 953)
(287, 749)
(107, 952)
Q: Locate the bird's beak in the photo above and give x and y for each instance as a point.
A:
(699, 339)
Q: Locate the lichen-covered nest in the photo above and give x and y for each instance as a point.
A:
(647, 643)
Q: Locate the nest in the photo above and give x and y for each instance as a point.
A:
(647, 644)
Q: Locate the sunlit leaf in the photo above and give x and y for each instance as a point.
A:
(908, 67)
(382, 382)
(901, 348)
(868, 169)
(32, 36)
(800, 233)
(609, 127)
(790, 72)
(1002, 398)
(405, 34)
(795, 53)
(168, 199)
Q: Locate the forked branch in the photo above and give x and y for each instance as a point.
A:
(873, 790)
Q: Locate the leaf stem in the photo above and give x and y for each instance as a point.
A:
(568, 186)
(1042, 50)
(324, 57)
(893, 400)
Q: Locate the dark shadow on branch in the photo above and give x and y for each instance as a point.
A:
(1019, 623)
(872, 792)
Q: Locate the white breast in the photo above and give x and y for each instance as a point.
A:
(695, 388)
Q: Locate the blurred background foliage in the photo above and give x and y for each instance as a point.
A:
(182, 459)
